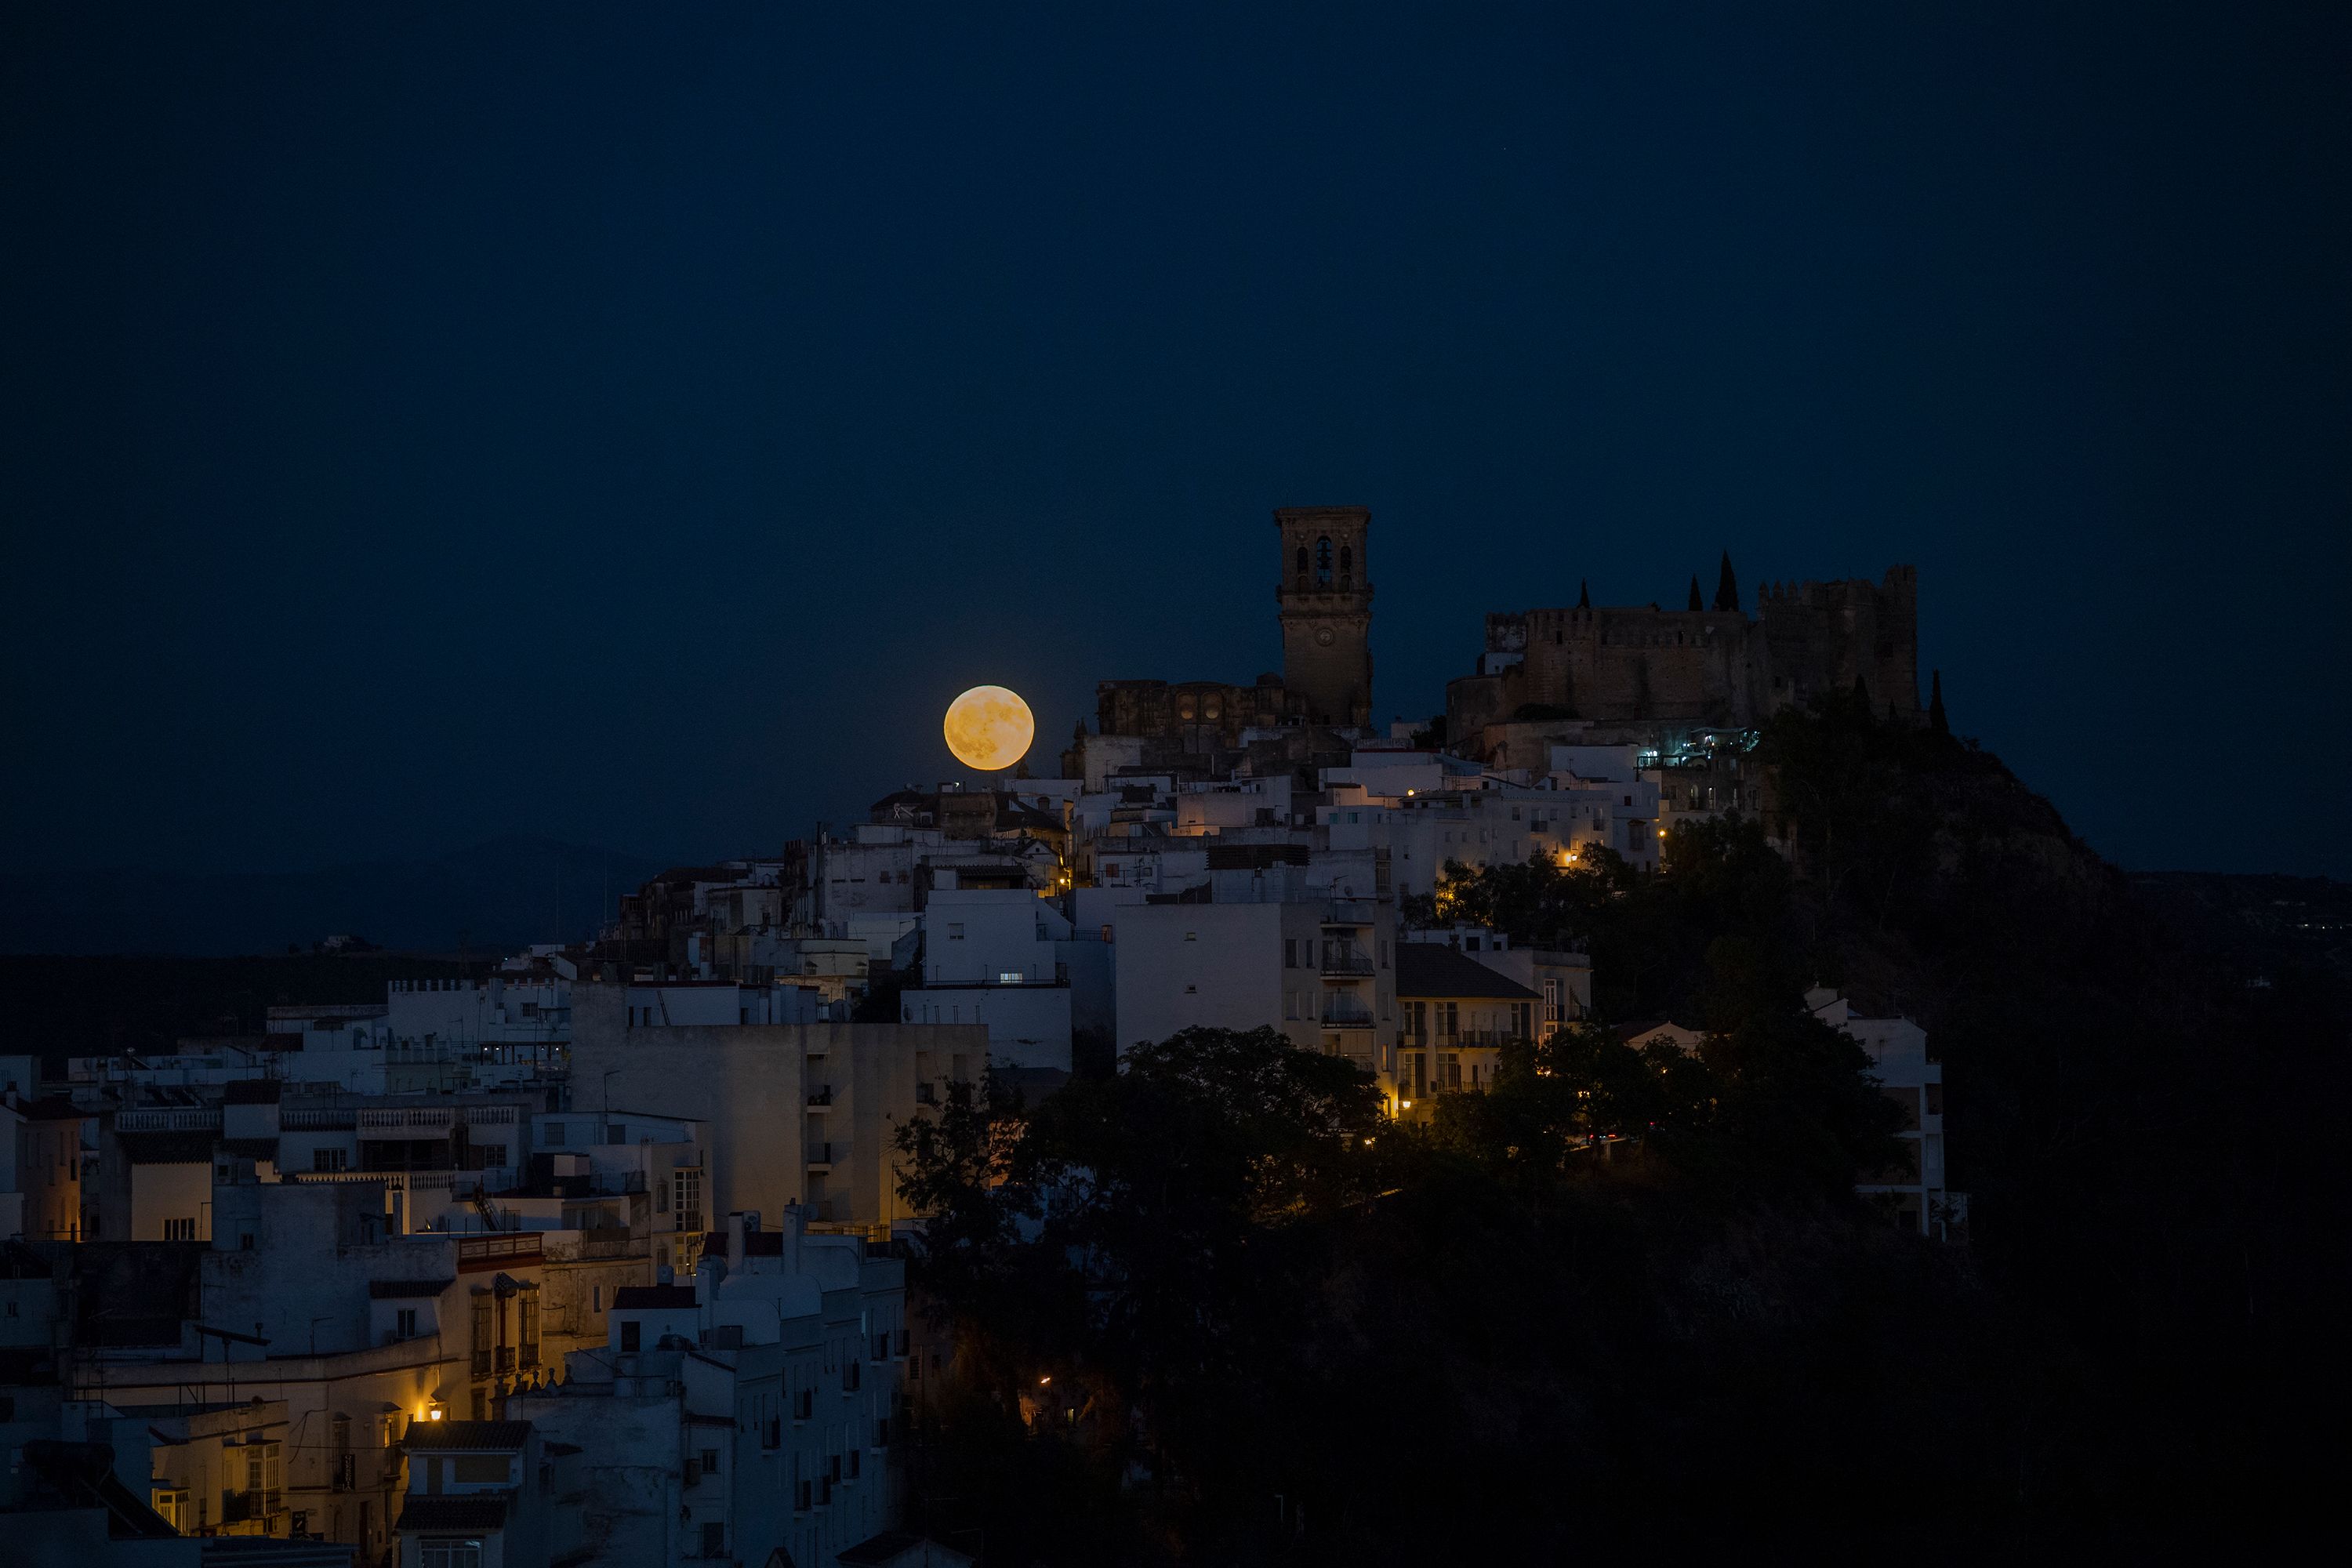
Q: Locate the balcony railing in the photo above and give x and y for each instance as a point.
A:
(194, 1119)
(1346, 960)
(1465, 1040)
(317, 1118)
(1348, 1017)
(523, 1246)
(1348, 913)
(820, 1098)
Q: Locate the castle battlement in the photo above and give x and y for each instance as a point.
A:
(1646, 664)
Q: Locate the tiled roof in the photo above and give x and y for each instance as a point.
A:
(481, 1510)
(1426, 969)
(508, 1435)
(645, 1297)
(167, 1147)
(756, 1244)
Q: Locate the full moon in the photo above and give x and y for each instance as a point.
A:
(989, 727)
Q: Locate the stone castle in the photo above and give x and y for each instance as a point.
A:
(1716, 667)
(1612, 667)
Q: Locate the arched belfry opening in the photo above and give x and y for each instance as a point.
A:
(1323, 561)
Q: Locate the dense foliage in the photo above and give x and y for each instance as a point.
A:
(1210, 1308)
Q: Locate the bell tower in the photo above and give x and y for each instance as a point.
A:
(1324, 594)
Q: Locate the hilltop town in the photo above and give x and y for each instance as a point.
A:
(601, 1254)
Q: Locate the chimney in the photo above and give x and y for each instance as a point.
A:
(735, 1242)
(395, 1208)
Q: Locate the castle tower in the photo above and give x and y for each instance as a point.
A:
(1325, 593)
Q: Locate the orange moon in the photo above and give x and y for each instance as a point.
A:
(989, 727)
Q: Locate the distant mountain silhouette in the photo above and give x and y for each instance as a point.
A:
(502, 894)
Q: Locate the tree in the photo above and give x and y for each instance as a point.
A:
(1727, 586)
(1584, 594)
(1695, 602)
(1936, 719)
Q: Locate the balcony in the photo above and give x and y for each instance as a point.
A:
(1346, 960)
(1340, 1017)
(820, 1156)
(197, 1119)
(821, 1099)
(1464, 1040)
(1353, 913)
(523, 1246)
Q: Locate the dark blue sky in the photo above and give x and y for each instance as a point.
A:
(420, 424)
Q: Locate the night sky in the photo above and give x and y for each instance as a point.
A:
(424, 423)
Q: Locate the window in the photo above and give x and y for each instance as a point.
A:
(173, 1504)
(686, 1196)
(804, 1404)
(1449, 1019)
(714, 1539)
(1289, 953)
(404, 1322)
(1323, 562)
(710, 1462)
(596, 1299)
(445, 1551)
(849, 1375)
(614, 1132)
(527, 1330)
(179, 1230)
(1010, 977)
(955, 930)
(802, 1497)
(905, 1337)
(482, 1469)
(772, 1433)
(882, 1345)
(555, 1134)
(329, 1159)
(1552, 1001)
(1302, 565)
(630, 1331)
(1347, 565)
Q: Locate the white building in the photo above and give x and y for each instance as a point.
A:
(994, 957)
(1916, 1191)
(752, 1412)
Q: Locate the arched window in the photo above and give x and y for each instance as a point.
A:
(1347, 566)
(1323, 561)
(1302, 565)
